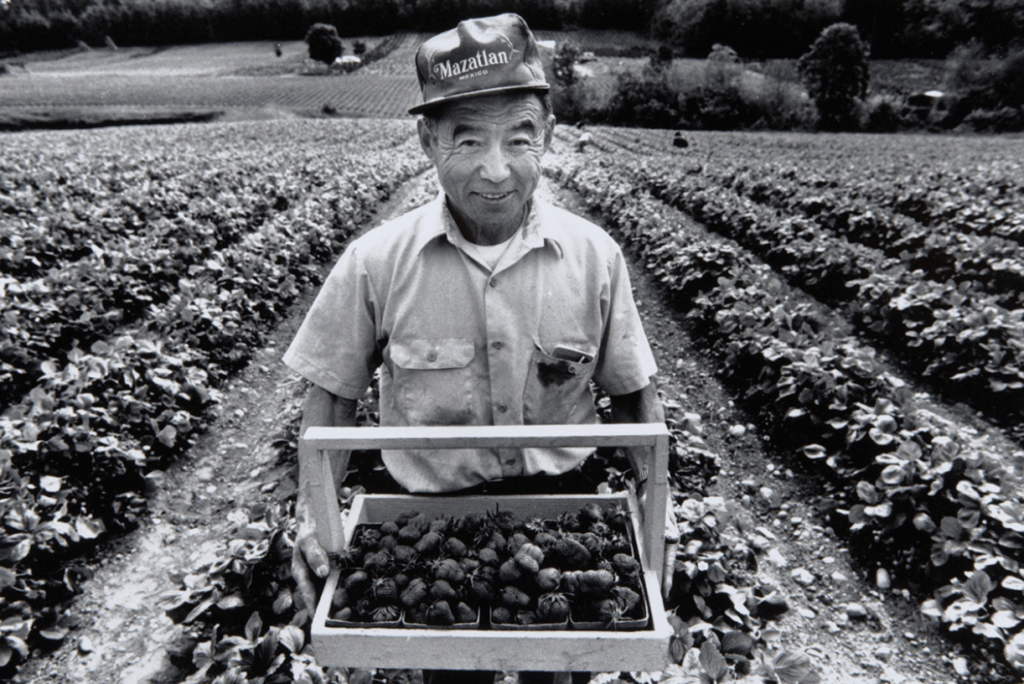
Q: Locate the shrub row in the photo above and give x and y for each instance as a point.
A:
(917, 491)
(73, 454)
(966, 343)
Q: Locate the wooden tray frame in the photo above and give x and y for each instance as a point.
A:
(492, 649)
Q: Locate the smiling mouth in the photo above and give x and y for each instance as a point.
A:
(494, 196)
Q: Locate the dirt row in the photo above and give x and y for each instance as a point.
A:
(853, 630)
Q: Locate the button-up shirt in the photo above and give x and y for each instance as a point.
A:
(461, 344)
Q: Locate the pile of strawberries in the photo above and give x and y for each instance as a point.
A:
(578, 569)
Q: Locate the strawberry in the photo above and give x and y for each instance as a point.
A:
(626, 599)
(501, 615)
(509, 571)
(378, 563)
(440, 526)
(414, 593)
(591, 513)
(552, 607)
(388, 542)
(357, 582)
(441, 590)
(516, 542)
(514, 598)
(625, 565)
(450, 571)
(545, 540)
(410, 534)
(390, 528)
(403, 518)
(404, 555)
(593, 543)
(482, 589)
(463, 613)
(440, 613)
(617, 518)
(384, 590)
(344, 614)
(340, 598)
(369, 540)
(431, 541)
(525, 617)
(489, 557)
(416, 614)
(596, 582)
(455, 547)
(529, 557)
(573, 555)
(607, 611)
(548, 579)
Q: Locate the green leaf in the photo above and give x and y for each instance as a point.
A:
(867, 492)
(738, 643)
(292, 638)
(791, 668)
(978, 587)
(712, 662)
(253, 626)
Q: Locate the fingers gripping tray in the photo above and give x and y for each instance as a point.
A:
(633, 636)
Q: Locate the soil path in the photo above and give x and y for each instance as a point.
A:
(853, 631)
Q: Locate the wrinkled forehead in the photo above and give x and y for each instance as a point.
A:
(519, 111)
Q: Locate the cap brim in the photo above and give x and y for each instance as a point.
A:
(427, 106)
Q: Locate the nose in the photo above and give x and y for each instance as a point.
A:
(494, 164)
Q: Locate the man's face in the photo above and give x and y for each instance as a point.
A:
(488, 151)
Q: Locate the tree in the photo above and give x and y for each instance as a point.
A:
(324, 43)
(835, 72)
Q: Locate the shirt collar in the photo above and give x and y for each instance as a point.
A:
(537, 230)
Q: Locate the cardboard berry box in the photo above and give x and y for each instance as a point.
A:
(635, 647)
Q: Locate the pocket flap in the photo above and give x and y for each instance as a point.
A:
(432, 354)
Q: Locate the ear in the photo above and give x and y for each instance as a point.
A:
(549, 132)
(427, 141)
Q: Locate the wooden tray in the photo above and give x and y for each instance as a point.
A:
(496, 649)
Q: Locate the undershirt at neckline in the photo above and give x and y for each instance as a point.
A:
(487, 256)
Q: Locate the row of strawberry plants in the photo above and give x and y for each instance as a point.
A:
(975, 184)
(113, 277)
(920, 492)
(69, 198)
(943, 252)
(73, 454)
(967, 344)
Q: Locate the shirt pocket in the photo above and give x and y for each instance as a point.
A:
(557, 391)
(434, 380)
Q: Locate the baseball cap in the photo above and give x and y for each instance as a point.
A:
(485, 56)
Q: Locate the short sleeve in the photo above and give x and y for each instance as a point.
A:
(336, 345)
(625, 362)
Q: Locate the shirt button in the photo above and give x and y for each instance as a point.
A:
(497, 345)
(502, 408)
(510, 462)
(494, 282)
(431, 356)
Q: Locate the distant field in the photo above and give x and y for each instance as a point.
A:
(212, 79)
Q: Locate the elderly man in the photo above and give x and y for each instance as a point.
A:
(487, 306)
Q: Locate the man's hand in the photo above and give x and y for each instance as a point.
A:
(309, 558)
(642, 406)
